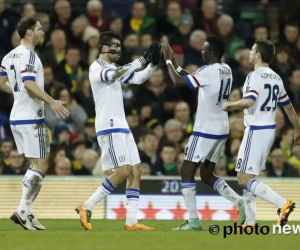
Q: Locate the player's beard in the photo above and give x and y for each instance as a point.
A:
(36, 40)
(114, 58)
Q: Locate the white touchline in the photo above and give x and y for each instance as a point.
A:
(286, 229)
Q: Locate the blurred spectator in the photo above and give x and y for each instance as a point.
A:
(297, 53)
(193, 54)
(148, 152)
(56, 153)
(130, 43)
(115, 24)
(61, 135)
(225, 30)
(182, 34)
(28, 9)
(84, 96)
(63, 18)
(208, 20)
(278, 167)
(245, 68)
(79, 26)
(145, 112)
(8, 22)
(146, 40)
(293, 89)
(132, 118)
(55, 52)
(162, 97)
(178, 54)
(78, 149)
(170, 22)
(282, 62)
(156, 127)
(77, 116)
(167, 164)
(1, 166)
(15, 39)
(295, 159)
(63, 167)
(139, 22)
(44, 20)
(236, 126)
(173, 131)
(182, 114)
(91, 39)
(70, 68)
(49, 83)
(90, 158)
(17, 162)
(94, 14)
(129, 94)
(90, 134)
(146, 169)
(287, 142)
(260, 32)
(291, 33)
(6, 146)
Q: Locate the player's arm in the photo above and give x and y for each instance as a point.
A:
(249, 98)
(28, 76)
(179, 70)
(111, 74)
(238, 105)
(4, 85)
(139, 77)
(292, 115)
(177, 79)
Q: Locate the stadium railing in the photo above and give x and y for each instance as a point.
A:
(160, 199)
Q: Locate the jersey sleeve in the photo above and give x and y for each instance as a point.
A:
(283, 97)
(28, 66)
(3, 68)
(199, 78)
(139, 77)
(105, 73)
(252, 86)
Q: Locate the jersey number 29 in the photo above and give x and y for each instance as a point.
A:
(224, 95)
(16, 87)
(273, 93)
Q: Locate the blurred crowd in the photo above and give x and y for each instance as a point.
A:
(160, 116)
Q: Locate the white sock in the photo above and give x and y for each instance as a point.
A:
(104, 190)
(132, 196)
(265, 193)
(32, 184)
(223, 188)
(189, 195)
(249, 200)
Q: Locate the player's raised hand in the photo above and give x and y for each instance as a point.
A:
(297, 138)
(147, 54)
(59, 110)
(167, 52)
(226, 106)
(155, 56)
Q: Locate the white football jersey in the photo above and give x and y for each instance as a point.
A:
(266, 88)
(19, 65)
(110, 115)
(214, 82)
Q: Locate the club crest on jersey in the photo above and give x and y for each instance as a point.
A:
(40, 113)
(29, 68)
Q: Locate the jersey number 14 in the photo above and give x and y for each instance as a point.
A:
(224, 94)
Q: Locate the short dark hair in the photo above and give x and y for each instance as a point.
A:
(106, 38)
(217, 45)
(261, 25)
(266, 50)
(292, 23)
(146, 133)
(26, 23)
(168, 144)
(72, 47)
(293, 69)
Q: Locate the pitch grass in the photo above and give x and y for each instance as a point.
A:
(110, 235)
